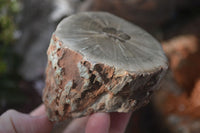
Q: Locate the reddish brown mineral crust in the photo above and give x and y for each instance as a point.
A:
(75, 87)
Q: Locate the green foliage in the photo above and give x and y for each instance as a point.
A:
(6, 30)
(2, 66)
(9, 61)
(8, 9)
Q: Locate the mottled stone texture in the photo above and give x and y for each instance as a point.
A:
(75, 87)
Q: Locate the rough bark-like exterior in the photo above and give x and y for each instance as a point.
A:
(75, 87)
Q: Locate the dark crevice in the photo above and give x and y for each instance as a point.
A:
(95, 86)
(98, 68)
(92, 78)
(56, 112)
(74, 85)
(86, 64)
(66, 107)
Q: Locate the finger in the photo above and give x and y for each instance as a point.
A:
(15, 122)
(98, 123)
(40, 110)
(77, 125)
(119, 122)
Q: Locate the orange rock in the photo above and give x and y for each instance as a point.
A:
(180, 111)
(195, 96)
(182, 104)
(184, 54)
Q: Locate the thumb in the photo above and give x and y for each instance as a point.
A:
(98, 123)
(15, 122)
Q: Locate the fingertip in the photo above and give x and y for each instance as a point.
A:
(40, 110)
(98, 123)
(119, 122)
(42, 122)
(77, 125)
(14, 121)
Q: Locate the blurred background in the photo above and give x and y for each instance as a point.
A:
(25, 31)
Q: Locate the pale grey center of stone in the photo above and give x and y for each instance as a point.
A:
(118, 35)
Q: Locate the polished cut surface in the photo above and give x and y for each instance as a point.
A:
(104, 38)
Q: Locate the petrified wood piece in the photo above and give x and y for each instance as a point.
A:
(98, 62)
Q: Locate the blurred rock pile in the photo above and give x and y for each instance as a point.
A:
(180, 106)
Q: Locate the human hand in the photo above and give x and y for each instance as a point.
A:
(15, 122)
(37, 122)
(100, 123)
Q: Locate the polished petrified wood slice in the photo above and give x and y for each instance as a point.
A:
(98, 62)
